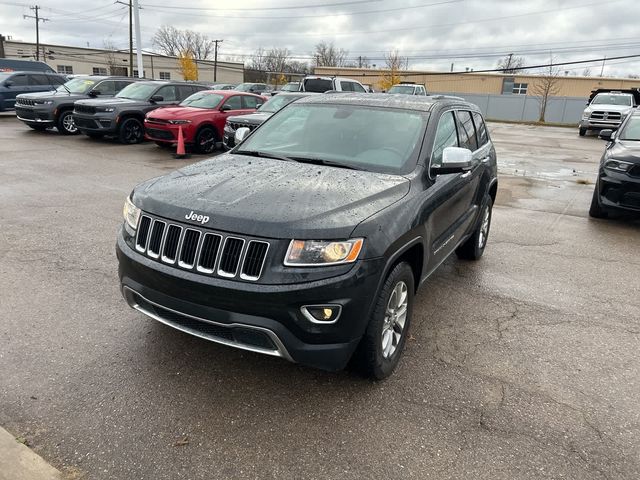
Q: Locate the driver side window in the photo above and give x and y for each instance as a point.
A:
(446, 136)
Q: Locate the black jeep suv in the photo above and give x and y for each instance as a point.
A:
(123, 115)
(618, 185)
(309, 240)
(55, 109)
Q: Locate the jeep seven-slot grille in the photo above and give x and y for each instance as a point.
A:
(25, 101)
(205, 252)
(84, 108)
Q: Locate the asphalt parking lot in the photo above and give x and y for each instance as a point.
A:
(523, 365)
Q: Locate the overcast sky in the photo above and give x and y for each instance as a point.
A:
(432, 33)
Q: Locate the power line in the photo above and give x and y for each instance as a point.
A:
(292, 7)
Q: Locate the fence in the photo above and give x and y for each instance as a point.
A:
(526, 108)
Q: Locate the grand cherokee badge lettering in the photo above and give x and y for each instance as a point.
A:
(197, 218)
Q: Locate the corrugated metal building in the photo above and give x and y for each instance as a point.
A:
(485, 83)
(88, 61)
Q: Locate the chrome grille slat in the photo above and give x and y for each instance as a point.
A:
(201, 251)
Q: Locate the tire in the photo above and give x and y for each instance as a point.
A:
(474, 247)
(380, 349)
(206, 140)
(582, 132)
(130, 131)
(65, 123)
(596, 210)
(39, 128)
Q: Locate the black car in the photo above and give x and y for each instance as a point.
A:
(309, 240)
(123, 115)
(13, 84)
(618, 185)
(254, 120)
(55, 109)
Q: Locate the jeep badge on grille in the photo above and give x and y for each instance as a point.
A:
(197, 218)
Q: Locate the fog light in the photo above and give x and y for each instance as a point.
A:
(322, 313)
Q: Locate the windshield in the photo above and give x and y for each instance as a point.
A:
(278, 102)
(402, 89)
(291, 87)
(4, 76)
(77, 85)
(354, 136)
(607, 99)
(244, 87)
(317, 85)
(631, 131)
(202, 100)
(137, 91)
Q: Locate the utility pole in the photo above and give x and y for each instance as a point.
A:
(38, 19)
(136, 14)
(131, 38)
(602, 69)
(215, 60)
(359, 62)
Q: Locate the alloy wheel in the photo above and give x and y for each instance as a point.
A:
(68, 124)
(394, 319)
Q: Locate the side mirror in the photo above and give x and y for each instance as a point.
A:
(607, 134)
(8, 83)
(156, 98)
(94, 93)
(241, 134)
(225, 108)
(258, 106)
(455, 160)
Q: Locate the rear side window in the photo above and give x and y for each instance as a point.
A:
(19, 80)
(120, 84)
(446, 136)
(234, 102)
(357, 87)
(346, 86)
(250, 102)
(467, 132)
(168, 93)
(481, 129)
(40, 80)
(108, 87)
(185, 91)
(56, 81)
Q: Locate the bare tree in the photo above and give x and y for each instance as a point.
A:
(586, 72)
(328, 55)
(173, 42)
(394, 63)
(114, 67)
(547, 86)
(511, 63)
(276, 60)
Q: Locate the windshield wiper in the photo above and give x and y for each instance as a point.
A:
(65, 87)
(329, 163)
(259, 153)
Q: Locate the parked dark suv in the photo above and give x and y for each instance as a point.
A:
(15, 83)
(123, 115)
(618, 186)
(309, 240)
(55, 109)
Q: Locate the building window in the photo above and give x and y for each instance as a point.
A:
(520, 88)
(99, 71)
(65, 69)
(165, 75)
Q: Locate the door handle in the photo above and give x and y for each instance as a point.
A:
(465, 175)
(486, 159)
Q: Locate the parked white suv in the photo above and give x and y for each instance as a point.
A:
(607, 110)
(316, 84)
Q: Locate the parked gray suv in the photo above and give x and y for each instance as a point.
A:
(55, 109)
(123, 115)
(15, 83)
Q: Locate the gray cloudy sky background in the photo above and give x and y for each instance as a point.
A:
(432, 33)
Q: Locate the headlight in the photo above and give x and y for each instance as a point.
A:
(43, 102)
(131, 213)
(618, 166)
(585, 116)
(179, 122)
(311, 253)
(105, 109)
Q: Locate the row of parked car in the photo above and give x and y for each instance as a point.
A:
(131, 109)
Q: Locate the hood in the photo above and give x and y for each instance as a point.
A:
(174, 113)
(111, 102)
(624, 150)
(52, 94)
(271, 198)
(250, 119)
(608, 108)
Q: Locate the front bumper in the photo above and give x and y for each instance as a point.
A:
(103, 123)
(167, 133)
(35, 115)
(197, 303)
(229, 137)
(599, 124)
(619, 191)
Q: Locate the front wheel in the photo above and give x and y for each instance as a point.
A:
(473, 248)
(131, 131)
(206, 140)
(65, 124)
(582, 132)
(381, 346)
(596, 210)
